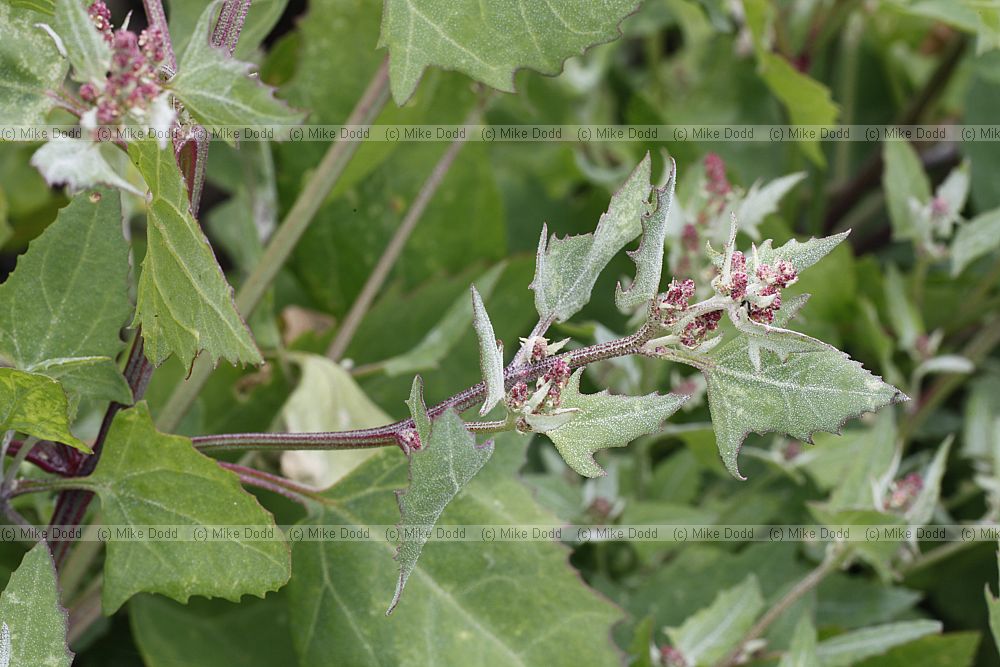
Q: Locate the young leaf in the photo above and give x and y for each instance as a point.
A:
(761, 201)
(184, 303)
(906, 189)
(34, 623)
(491, 45)
(146, 478)
(490, 354)
(35, 405)
(85, 47)
(433, 347)
(815, 390)
(976, 238)
(871, 460)
(30, 65)
(79, 164)
(802, 651)
(76, 272)
(446, 461)
(707, 636)
(605, 421)
(648, 257)
(339, 588)
(567, 269)
(851, 648)
(218, 90)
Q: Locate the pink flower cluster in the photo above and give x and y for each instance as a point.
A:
(695, 331)
(762, 290)
(557, 377)
(409, 439)
(132, 81)
(667, 307)
(719, 190)
(904, 491)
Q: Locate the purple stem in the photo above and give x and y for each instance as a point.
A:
(390, 434)
(230, 24)
(273, 483)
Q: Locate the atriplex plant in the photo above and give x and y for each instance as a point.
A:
(724, 314)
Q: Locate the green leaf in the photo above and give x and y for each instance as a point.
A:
(218, 90)
(30, 65)
(35, 405)
(817, 390)
(207, 633)
(852, 647)
(462, 604)
(490, 354)
(870, 460)
(707, 636)
(905, 317)
(47, 7)
(567, 269)
(604, 421)
(955, 649)
(802, 651)
(921, 511)
(184, 303)
(68, 296)
(30, 611)
(97, 378)
(807, 100)
(981, 408)
(648, 257)
(491, 43)
(146, 478)
(446, 461)
(433, 347)
(326, 399)
(761, 201)
(260, 19)
(976, 238)
(906, 189)
(85, 47)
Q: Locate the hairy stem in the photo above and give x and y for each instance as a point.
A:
(286, 237)
(390, 433)
(230, 24)
(273, 483)
(837, 556)
(156, 17)
(376, 279)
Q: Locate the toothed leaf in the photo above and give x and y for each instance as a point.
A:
(606, 421)
(34, 622)
(567, 269)
(648, 257)
(490, 354)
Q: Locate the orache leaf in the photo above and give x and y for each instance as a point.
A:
(490, 354)
(218, 90)
(146, 478)
(184, 303)
(802, 651)
(545, 615)
(605, 421)
(979, 236)
(906, 186)
(29, 66)
(31, 613)
(648, 257)
(78, 163)
(707, 636)
(567, 269)
(445, 334)
(35, 405)
(491, 42)
(85, 47)
(812, 391)
(75, 272)
(852, 647)
(446, 461)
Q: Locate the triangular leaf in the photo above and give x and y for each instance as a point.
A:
(439, 469)
(648, 257)
(567, 269)
(217, 89)
(34, 623)
(184, 303)
(605, 421)
(76, 271)
(491, 42)
(146, 478)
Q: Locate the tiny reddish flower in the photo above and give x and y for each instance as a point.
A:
(715, 175)
(409, 439)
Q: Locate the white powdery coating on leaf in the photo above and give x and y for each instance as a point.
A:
(816, 390)
(606, 420)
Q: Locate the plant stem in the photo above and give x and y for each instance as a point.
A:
(836, 557)
(389, 434)
(286, 237)
(230, 24)
(22, 453)
(376, 279)
(274, 483)
(85, 611)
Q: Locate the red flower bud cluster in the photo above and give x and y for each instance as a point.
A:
(904, 491)
(676, 299)
(132, 81)
(558, 375)
(696, 330)
(715, 176)
(409, 439)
